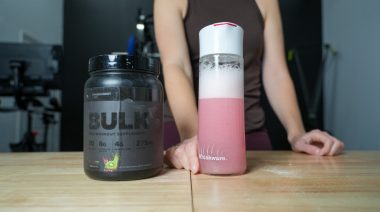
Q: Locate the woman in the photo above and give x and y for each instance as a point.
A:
(177, 23)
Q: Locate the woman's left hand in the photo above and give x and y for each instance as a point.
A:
(317, 142)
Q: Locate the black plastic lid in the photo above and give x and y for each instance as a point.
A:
(113, 62)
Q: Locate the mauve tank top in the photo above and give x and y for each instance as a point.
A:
(246, 14)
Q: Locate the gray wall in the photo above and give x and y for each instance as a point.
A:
(352, 78)
(40, 19)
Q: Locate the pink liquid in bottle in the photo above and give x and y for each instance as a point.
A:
(221, 136)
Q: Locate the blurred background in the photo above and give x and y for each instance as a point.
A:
(331, 48)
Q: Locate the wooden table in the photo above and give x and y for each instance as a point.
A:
(56, 181)
(274, 181)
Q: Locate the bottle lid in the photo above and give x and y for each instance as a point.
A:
(120, 62)
(221, 38)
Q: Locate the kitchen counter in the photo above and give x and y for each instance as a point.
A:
(274, 181)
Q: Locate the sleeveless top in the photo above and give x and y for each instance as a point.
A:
(246, 14)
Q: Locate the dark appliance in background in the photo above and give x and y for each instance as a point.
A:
(88, 32)
(28, 71)
(142, 42)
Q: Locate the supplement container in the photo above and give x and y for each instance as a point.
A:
(123, 118)
(221, 131)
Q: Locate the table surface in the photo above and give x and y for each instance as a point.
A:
(274, 181)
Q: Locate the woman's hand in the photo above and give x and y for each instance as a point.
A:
(184, 155)
(317, 142)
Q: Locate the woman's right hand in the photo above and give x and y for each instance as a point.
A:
(184, 155)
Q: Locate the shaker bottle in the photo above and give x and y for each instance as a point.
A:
(221, 133)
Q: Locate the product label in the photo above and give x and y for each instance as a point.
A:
(120, 133)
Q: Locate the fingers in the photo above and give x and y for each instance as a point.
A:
(184, 155)
(181, 155)
(325, 139)
(304, 146)
(171, 159)
(318, 142)
(337, 148)
(191, 151)
(332, 146)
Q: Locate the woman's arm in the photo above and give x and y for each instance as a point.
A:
(170, 36)
(280, 90)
